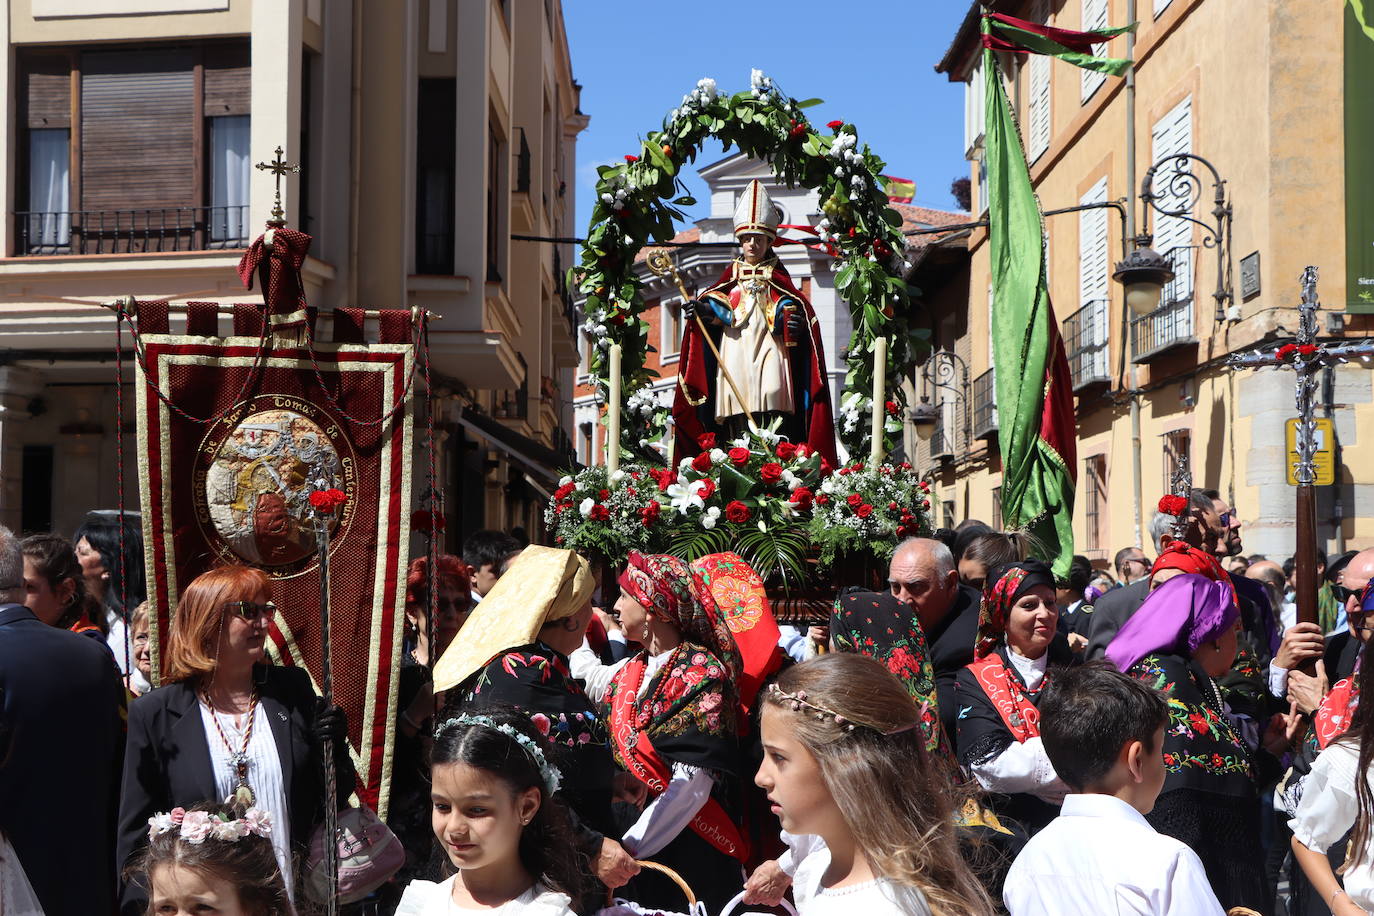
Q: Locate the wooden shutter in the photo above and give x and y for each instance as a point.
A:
(1161, 6)
(1038, 98)
(1172, 135)
(1093, 287)
(1094, 17)
(227, 79)
(47, 91)
(137, 130)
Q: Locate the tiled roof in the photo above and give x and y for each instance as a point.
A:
(914, 217)
(686, 235)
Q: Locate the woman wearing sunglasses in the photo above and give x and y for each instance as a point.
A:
(226, 724)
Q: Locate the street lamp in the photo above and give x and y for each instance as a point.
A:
(924, 417)
(1145, 271)
(940, 372)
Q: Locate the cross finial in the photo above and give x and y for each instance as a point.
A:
(278, 167)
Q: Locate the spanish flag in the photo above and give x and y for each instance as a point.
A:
(899, 190)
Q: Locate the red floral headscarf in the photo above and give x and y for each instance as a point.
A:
(998, 597)
(668, 588)
(1184, 556)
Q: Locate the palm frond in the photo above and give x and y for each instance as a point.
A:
(778, 554)
(691, 545)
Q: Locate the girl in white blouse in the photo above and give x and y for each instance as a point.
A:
(1337, 795)
(495, 816)
(846, 770)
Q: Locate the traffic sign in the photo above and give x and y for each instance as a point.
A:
(1323, 459)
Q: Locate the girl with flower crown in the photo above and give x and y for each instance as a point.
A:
(869, 813)
(494, 813)
(215, 858)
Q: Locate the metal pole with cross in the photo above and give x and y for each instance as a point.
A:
(1306, 358)
(279, 167)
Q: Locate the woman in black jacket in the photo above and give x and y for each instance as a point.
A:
(228, 726)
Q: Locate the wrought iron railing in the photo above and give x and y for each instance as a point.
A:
(985, 404)
(1085, 341)
(1172, 323)
(129, 231)
(941, 441)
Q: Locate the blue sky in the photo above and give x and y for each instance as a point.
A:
(872, 61)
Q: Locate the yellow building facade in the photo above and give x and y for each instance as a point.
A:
(1257, 90)
(429, 132)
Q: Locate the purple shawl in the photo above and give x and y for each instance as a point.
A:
(1176, 618)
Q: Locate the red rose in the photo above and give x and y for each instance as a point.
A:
(631, 159)
(1307, 349)
(770, 472)
(740, 456)
(1173, 505)
(856, 468)
(893, 506)
(925, 487)
(701, 463)
(737, 512)
(822, 499)
(890, 407)
(835, 125)
(786, 451)
(707, 488)
(855, 500)
(802, 497)
(650, 513)
(707, 441)
(864, 511)
(797, 130)
(604, 495)
(906, 466)
(564, 491)
(599, 513)
(803, 449)
(663, 477)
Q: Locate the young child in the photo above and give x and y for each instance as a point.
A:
(495, 817)
(845, 768)
(212, 859)
(1104, 732)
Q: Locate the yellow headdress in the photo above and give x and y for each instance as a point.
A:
(542, 585)
(755, 212)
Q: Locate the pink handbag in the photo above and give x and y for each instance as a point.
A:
(369, 854)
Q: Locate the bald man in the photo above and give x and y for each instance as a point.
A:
(922, 575)
(1303, 642)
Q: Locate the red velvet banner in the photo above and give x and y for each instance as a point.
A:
(245, 428)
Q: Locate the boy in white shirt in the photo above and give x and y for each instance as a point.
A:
(1104, 733)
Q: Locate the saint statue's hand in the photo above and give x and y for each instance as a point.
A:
(689, 310)
(796, 324)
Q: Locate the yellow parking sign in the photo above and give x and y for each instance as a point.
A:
(1323, 458)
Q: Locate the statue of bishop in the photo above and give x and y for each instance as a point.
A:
(772, 363)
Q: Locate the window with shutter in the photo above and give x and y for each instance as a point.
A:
(1093, 287)
(1038, 101)
(1173, 236)
(1161, 6)
(974, 110)
(1094, 17)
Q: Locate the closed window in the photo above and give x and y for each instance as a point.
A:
(1095, 486)
(1094, 17)
(1038, 101)
(1173, 235)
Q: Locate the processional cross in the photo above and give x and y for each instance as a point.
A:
(1306, 358)
(278, 167)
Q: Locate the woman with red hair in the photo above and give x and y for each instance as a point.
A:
(228, 724)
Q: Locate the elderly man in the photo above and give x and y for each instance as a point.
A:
(61, 750)
(922, 574)
(1131, 564)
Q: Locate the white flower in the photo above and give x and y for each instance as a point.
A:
(606, 198)
(824, 223)
(620, 194)
(565, 481)
(718, 456)
(756, 78)
(767, 435)
(618, 476)
(160, 823)
(259, 821)
(710, 517)
(839, 171)
(586, 506)
(789, 479)
(763, 527)
(228, 831)
(684, 497)
(684, 464)
(707, 87)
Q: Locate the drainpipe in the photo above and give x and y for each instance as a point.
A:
(1125, 314)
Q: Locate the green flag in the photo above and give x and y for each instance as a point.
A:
(1037, 429)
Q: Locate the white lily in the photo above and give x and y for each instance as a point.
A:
(767, 435)
(684, 496)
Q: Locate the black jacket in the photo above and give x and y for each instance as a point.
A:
(61, 746)
(167, 762)
(951, 648)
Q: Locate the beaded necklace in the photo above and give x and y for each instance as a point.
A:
(238, 759)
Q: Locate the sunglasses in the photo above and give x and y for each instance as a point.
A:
(1343, 594)
(250, 610)
(1226, 520)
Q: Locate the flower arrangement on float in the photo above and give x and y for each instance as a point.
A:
(765, 498)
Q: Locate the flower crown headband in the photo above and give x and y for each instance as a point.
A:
(198, 826)
(552, 778)
(798, 701)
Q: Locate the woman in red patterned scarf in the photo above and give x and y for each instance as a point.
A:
(675, 728)
(999, 726)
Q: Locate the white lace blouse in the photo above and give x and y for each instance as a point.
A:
(425, 898)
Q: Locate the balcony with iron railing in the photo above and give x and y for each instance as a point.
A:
(1085, 340)
(1171, 325)
(155, 229)
(985, 405)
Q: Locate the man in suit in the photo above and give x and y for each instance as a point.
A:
(61, 749)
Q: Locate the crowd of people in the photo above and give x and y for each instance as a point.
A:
(978, 736)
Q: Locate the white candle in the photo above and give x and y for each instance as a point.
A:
(875, 456)
(613, 419)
